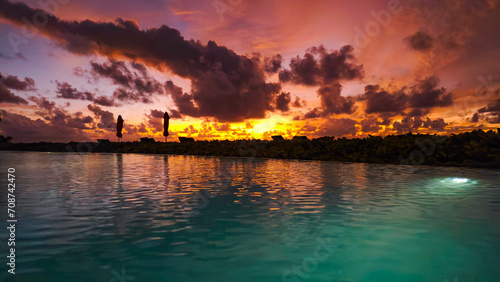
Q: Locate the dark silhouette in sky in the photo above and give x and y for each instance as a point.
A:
(119, 127)
(166, 120)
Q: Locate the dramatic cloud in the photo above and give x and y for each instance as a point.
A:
(183, 101)
(14, 83)
(283, 101)
(332, 102)
(491, 112)
(105, 101)
(371, 125)
(64, 90)
(436, 124)
(421, 97)
(135, 86)
(494, 106)
(106, 120)
(80, 121)
(407, 124)
(320, 67)
(327, 68)
(415, 123)
(417, 112)
(474, 118)
(314, 113)
(6, 96)
(420, 41)
(379, 100)
(270, 64)
(157, 113)
(426, 95)
(225, 85)
(8, 83)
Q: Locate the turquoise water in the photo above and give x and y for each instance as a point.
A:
(126, 217)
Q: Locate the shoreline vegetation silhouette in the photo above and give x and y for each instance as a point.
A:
(470, 149)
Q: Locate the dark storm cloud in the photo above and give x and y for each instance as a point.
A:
(66, 91)
(494, 106)
(6, 96)
(183, 101)
(420, 41)
(417, 113)
(234, 87)
(490, 113)
(474, 118)
(106, 120)
(421, 97)
(371, 125)
(120, 74)
(174, 114)
(426, 95)
(80, 121)
(379, 100)
(105, 101)
(332, 102)
(10, 82)
(414, 123)
(314, 113)
(272, 64)
(318, 66)
(14, 83)
(323, 68)
(214, 95)
(407, 124)
(225, 85)
(283, 101)
(436, 124)
(157, 114)
(493, 118)
(134, 86)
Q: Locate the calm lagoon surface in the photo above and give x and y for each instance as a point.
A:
(132, 217)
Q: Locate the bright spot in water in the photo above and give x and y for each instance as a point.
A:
(458, 180)
(451, 185)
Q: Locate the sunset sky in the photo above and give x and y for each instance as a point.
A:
(239, 69)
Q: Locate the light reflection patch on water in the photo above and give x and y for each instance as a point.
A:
(451, 185)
